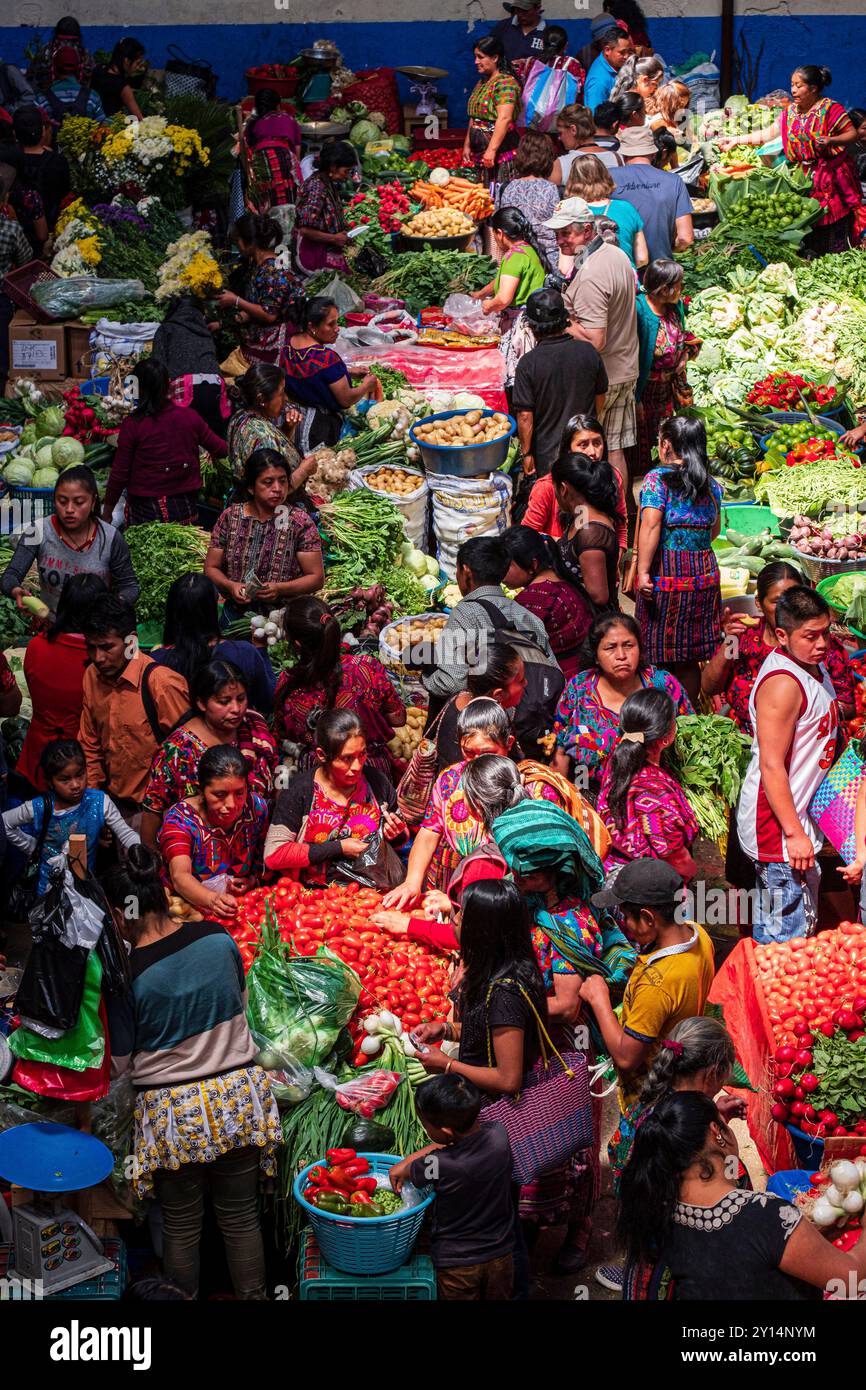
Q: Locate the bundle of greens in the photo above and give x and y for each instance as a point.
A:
(428, 277)
(718, 260)
(161, 551)
(363, 531)
(709, 760)
(813, 490)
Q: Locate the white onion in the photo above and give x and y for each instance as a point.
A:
(845, 1175)
(852, 1202)
(823, 1214)
(370, 1046)
(833, 1195)
(371, 1023)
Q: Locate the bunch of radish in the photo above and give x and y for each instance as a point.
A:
(811, 538)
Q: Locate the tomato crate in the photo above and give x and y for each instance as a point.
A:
(413, 1282)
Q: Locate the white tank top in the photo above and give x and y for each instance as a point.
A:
(811, 754)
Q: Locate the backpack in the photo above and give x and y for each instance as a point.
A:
(61, 109)
(544, 681)
(151, 711)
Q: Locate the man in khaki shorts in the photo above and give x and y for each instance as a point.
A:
(601, 300)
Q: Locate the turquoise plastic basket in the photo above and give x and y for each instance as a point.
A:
(363, 1245)
(413, 1282)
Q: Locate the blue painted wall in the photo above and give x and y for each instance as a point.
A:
(839, 41)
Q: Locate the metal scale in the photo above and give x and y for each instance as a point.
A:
(425, 85)
(54, 1246)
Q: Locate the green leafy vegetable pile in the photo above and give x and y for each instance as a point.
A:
(161, 551)
(840, 1065)
(364, 532)
(709, 760)
(428, 277)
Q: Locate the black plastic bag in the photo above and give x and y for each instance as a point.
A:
(111, 949)
(370, 262)
(378, 867)
(52, 985)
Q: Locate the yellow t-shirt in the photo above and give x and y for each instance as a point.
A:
(663, 990)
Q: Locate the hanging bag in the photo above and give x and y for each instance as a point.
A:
(834, 803)
(188, 77)
(417, 781)
(550, 1120)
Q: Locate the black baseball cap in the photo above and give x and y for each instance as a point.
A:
(646, 882)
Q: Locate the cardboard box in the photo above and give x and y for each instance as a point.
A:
(49, 351)
(37, 350)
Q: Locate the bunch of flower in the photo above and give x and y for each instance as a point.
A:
(149, 155)
(118, 213)
(78, 248)
(191, 268)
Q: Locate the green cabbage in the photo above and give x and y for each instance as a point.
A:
(364, 131)
(43, 457)
(18, 471)
(50, 420)
(66, 452)
(28, 435)
(45, 477)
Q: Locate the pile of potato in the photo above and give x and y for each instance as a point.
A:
(440, 222)
(465, 429)
(181, 910)
(396, 480)
(406, 740)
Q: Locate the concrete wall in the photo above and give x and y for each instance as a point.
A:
(235, 34)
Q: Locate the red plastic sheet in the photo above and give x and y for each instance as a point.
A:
(738, 990)
(482, 372)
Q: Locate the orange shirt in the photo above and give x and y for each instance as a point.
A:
(115, 732)
(542, 513)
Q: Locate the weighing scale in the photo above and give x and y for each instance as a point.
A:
(53, 1244)
(315, 133)
(322, 61)
(425, 86)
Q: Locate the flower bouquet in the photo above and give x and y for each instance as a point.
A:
(191, 268)
(141, 157)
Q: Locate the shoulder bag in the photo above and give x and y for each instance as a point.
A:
(550, 1120)
(416, 784)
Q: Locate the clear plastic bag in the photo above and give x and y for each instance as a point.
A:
(366, 1093)
(66, 299)
(297, 1006)
(466, 315)
(291, 1085)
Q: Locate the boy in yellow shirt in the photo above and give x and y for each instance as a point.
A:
(671, 978)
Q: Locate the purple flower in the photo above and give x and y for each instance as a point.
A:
(111, 213)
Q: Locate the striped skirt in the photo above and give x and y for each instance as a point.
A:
(682, 621)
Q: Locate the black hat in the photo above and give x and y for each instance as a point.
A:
(546, 309)
(646, 882)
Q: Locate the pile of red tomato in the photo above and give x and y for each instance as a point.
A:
(403, 976)
(812, 985)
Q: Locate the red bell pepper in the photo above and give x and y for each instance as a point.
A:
(356, 1167)
(368, 1185)
(341, 1179)
(360, 1199)
(340, 1156)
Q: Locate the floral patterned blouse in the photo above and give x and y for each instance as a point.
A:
(364, 688)
(577, 917)
(686, 525)
(276, 291)
(186, 834)
(249, 431)
(359, 819)
(659, 822)
(753, 652)
(450, 816)
(587, 730)
(174, 769)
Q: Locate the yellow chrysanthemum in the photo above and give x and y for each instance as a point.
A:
(77, 209)
(89, 249)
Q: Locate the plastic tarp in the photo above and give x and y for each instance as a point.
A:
(482, 371)
(738, 990)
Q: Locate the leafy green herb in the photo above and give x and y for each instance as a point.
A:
(161, 551)
(709, 760)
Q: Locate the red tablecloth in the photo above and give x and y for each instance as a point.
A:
(738, 990)
(482, 372)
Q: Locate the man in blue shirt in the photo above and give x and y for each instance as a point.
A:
(522, 35)
(616, 47)
(660, 198)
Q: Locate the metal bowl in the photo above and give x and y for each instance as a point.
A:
(466, 460)
(323, 130)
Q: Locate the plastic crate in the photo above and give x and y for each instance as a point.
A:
(364, 1245)
(414, 1282)
(797, 417)
(18, 284)
(95, 386)
(105, 1288)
